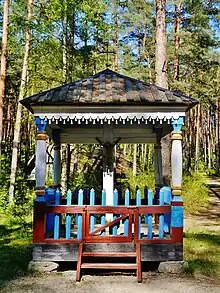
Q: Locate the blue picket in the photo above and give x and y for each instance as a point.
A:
(92, 203)
(167, 200)
(115, 203)
(127, 203)
(103, 219)
(57, 216)
(150, 216)
(80, 203)
(49, 198)
(138, 203)
(68, 217)
(161, 216)
(145, 197)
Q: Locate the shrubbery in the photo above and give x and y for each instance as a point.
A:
(195, 192)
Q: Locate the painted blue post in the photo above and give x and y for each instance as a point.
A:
(57, 216)
(161, 217)
(150, 216)
(103, 220)
(80, 203)
(68, 217)
(49, 198)
(145, 197)
(92, 203)
(138, 203)
(127, 203)
(167, 200)
(115, 203)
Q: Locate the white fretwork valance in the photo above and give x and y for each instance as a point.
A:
(101, 118)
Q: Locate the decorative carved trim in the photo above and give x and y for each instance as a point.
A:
(177, 187)
(176, 192)
(41, 137)
(40, 188)
(176, 137)
(100, 118)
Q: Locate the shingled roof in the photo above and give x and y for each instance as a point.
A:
(108, 87)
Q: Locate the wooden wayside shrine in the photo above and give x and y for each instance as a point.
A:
(114, 229)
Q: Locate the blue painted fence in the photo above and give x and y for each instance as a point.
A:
(53, 221)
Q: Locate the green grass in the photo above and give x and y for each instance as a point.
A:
(195, 192)
(15, 250)
(202, 251)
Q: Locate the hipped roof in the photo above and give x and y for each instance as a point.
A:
(108, 88)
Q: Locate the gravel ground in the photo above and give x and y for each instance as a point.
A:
(152, 283)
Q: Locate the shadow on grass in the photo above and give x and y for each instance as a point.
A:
(202, 251)
(15, 253)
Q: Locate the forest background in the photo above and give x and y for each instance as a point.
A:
(53, 42)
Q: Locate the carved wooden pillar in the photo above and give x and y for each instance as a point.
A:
(176, 163)
(41, 158)
(57, 159)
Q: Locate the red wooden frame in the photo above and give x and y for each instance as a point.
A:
(132, 212)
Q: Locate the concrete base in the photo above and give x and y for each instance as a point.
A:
(42, 266)
(173, 267)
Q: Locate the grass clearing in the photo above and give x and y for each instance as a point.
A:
(15, 250)
(202, 251)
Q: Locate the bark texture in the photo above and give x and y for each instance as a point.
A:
(160, 64)
(17, 128)
(3, 70)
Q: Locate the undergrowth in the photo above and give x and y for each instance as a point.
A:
(195, 192)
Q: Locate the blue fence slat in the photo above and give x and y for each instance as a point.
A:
(161, 217)
(103, 219)
(68, 217)
(138, 203)
(80, 203)
(50, 198)
(167, 200)
(150, 216)
(146, 198)
(127, 203)
(115, 203)
(57, 217)
(92, 203)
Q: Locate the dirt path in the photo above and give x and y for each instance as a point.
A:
(208, 220)
(152, 283)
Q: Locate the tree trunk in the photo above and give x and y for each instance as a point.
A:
(65, 43)
(161, 79)
(135, 160)
(3, 67)
(115, 39)
(19, 107)
(160, 63)
(178, 18)
(197, 138)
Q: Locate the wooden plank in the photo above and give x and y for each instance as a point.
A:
(120, 266)
(39, 223)
(55, 252)
(138, 260)
(109, 247)
(107, 239)
(62, 209)
(109, 254)
(154, 209)
(109, 209)
(109, 225)
(79, 263)
(161, 252)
